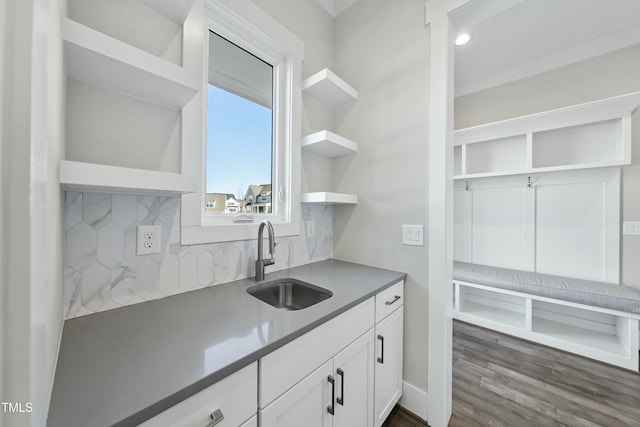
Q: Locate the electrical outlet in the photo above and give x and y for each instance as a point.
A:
(149, 238)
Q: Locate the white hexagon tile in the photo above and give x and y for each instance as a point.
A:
(103, 271)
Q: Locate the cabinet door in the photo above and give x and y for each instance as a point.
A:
(306, 404)
(388, 364)
(353, 368)
(253, 422)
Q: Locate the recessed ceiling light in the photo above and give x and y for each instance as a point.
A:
(463, 38)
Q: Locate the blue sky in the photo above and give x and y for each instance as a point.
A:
(238, 143)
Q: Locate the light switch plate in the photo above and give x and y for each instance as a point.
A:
(413, 235)
(631, 228)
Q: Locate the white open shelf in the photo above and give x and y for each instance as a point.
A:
(78, 176)
(329, 88)
(330, 198)
(560, 334)
(598, 333)
(100, 60)
(329, 144)
(595, 134)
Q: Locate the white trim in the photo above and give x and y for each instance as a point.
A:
(440, 211)
(414, 400)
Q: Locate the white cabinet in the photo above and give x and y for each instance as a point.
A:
(339, 393)
(595, 134)
(344, 373)
(354, 380)
(327, 87)
(306, 404)
(232, 401)
(389, 351)
(133, 74)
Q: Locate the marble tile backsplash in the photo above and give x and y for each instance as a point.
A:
(102, 270)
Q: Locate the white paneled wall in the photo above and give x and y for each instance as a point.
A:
(102, 270)
(565, 223)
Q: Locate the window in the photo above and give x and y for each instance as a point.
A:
(248, 155)
(239, 122)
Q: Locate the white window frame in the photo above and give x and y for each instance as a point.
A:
(251, 28)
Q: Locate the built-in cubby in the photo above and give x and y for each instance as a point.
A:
(327, 87)
(154, 26)
(591, 143)
(132, 68)
(505, 309)
(498, 155)
(595, 134)
(599, 333)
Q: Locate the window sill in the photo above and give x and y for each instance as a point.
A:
(202, 234)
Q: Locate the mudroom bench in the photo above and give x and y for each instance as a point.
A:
(593, 319)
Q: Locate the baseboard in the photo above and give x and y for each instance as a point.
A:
(413, 399)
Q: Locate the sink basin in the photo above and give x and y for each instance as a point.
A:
(289, 294)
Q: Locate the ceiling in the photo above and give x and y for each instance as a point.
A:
(513, 39)
(336, 7)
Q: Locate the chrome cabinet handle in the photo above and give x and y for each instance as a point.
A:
(330, 408)
(216, 416)
(396, 298)
(381, 358)
(340, 400)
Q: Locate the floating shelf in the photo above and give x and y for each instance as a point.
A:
(175, 10)
(329, 88)
(330, 198)
(329, 144)
(78, 176)
(95, 58)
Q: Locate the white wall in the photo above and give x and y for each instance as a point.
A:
(313, 25)
(381, 48)
(31, 311)
(609, 75)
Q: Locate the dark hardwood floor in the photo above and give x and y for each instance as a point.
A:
(500, 380)
(400, 417)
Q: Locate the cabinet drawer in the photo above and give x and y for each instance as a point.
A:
(286, 366)
(235, 396)
(388, 300)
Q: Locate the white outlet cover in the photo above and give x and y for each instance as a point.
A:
(149, 238)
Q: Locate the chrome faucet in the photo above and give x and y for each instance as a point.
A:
(260, 262)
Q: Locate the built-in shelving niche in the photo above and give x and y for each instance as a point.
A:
(595, 134)
(129, 75)
(594, 332)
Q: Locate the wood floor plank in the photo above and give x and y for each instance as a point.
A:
(526, 384)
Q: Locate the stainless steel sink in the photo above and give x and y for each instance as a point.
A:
(289, 294)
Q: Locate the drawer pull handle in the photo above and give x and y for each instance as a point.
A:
(330, 408)
(216, 416)
(381, 358)
(396, 298)
(340, 400)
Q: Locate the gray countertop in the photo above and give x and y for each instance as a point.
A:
(123, 366)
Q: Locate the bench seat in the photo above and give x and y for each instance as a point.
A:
(587, 292)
